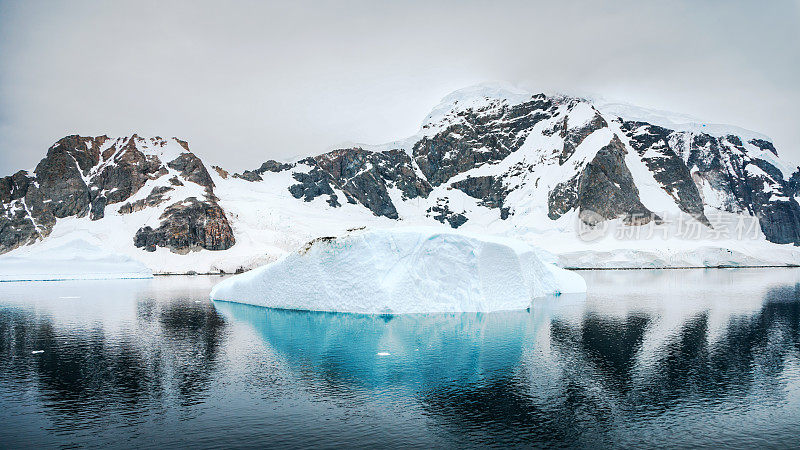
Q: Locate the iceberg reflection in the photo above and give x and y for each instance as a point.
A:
(421, 350)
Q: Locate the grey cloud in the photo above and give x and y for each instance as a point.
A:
(247, 81)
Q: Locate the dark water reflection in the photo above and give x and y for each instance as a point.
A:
(649, 358)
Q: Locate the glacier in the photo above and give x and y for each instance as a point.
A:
(73, 259)
(401, 271)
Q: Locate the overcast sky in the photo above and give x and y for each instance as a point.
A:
(248, 81)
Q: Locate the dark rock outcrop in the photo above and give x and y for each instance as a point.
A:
(573, 137)
(98, 209)
(604, 189)
(60, 176)
(192, 169)
(24, 215)
(14, 187)
(441, 212)
(652, 144)
(563, 197)
(764, 145)
(124, 170)
(488, 189)
(268, 166)
(249, 175)
(155, 198)
(363, 177)
(479, 137)
(187, 226)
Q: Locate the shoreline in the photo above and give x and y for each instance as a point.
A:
(577, 269)
(167, 274)
(685, 267)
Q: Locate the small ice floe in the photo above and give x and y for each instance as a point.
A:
(198, 301)
(36, 352)
(383, 353)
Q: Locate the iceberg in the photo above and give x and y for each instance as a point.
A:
(402, 271)
(75, 259)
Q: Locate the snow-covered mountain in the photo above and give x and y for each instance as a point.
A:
(598, 185)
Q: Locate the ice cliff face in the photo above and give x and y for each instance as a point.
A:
(401, 271)
(493, 159)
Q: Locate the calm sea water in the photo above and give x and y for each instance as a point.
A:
(648, 358)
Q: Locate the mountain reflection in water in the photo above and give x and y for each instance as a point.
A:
(682, 357)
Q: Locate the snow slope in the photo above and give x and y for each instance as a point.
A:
(409, 270)
(75, 259)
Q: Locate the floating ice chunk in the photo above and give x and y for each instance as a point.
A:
(403, 270)
(36, 352)
(74, 260)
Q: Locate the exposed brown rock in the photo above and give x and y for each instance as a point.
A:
(222, 172)
(186, 226)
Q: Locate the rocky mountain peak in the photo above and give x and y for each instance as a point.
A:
(82, 175)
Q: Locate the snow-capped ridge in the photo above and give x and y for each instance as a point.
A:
(484, 94)
(676, 121)
(475, 97)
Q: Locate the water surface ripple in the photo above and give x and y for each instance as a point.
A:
(647, 358)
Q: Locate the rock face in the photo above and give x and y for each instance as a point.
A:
(24, 216)
(192, 169)
(441, 212)
(81, 176)
(363, 177)
(488, 189)
(188, 226)
(734, 175)
(605, 189)
(155, 198)
(652, 144)
(269, 166)
(477, 137)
